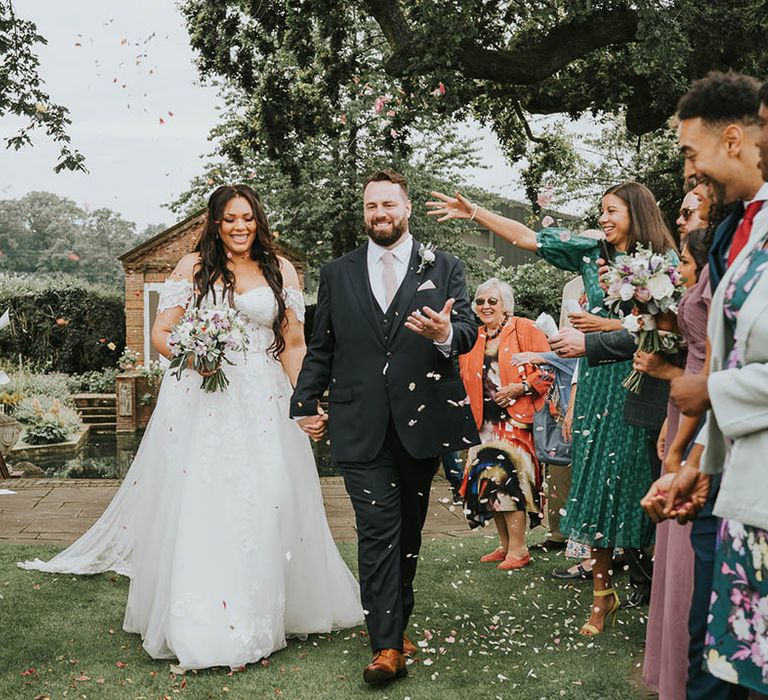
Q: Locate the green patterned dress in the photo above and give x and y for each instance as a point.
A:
(611, 469)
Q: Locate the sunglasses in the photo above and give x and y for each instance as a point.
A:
(687, 213)
(492, 301)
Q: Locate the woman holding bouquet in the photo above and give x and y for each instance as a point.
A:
(611, 468)
(219, 522)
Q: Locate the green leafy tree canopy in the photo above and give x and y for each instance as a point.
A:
(22, 92)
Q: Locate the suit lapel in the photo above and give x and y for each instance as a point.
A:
(357, 270)
(404, 298)
(721, 242)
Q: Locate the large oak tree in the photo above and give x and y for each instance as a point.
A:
(498, 60)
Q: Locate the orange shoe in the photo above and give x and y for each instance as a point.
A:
(409, 648)
(497, 554)
(509, 564)
(387, 665)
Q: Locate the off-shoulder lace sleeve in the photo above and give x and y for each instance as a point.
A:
(294, 300)
(174, 293)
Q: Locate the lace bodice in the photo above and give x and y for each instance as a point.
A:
(258, 307)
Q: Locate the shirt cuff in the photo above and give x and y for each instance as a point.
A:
(445, 347)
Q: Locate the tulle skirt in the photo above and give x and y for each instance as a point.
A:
(220, 525)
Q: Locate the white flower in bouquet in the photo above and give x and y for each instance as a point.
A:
(660, 286)
(205, 335)
(652, 283)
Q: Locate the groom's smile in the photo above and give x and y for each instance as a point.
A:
(386, 209)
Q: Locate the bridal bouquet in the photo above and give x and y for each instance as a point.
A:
(652, 283)
(206, 335)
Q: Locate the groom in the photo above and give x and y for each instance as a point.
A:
(390, 317)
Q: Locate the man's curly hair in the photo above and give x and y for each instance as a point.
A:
(721, 98)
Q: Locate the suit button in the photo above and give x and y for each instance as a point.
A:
(386, 320)
(389, 354)
(386, 337)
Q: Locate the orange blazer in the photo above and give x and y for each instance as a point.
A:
(519, 335)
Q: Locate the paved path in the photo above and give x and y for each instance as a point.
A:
(60, 510)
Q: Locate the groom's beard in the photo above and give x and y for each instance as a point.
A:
(386, 238)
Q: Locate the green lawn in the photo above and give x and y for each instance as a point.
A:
(491, 635)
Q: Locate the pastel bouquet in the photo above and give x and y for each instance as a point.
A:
(205, 335)
(651, 283)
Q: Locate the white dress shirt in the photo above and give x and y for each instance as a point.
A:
(402, 254)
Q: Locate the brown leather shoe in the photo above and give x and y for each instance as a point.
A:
(409, 648)
(387, 664)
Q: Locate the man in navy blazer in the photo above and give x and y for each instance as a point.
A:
(390, 318)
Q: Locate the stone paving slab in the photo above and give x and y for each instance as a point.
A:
(60, 510)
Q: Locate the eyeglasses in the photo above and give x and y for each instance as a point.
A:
(687, 213)
(492, 301)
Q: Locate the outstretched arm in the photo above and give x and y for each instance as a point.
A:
(459, 207)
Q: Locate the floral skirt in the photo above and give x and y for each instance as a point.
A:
(502, 475)
(737, 633)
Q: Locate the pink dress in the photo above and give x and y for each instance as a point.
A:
(666, 641)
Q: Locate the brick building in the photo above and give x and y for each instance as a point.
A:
(149, 263)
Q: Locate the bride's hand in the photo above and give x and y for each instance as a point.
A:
(203, 372)
(457, 207)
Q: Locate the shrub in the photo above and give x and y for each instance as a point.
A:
(46, 420)
(96, 382)
(54, 385)
(62, 323)
(45, 431)
(538, 286)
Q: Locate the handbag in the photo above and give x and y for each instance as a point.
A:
(551, 446)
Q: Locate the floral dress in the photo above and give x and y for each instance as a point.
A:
(503, 473)
(737, 633)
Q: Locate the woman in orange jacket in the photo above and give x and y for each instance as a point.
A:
(502, 479)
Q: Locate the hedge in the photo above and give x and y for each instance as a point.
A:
(61, 324)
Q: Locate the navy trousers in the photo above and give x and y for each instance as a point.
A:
(702, 685)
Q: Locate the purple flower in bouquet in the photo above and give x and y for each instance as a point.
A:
(204, 336)
(651, 282)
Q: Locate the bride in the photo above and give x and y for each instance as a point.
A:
(219, 522)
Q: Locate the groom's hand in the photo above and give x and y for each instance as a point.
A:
(314, 426)
(431, 324)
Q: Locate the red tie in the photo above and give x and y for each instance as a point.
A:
(744, 229)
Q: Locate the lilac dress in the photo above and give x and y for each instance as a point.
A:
(666, 640)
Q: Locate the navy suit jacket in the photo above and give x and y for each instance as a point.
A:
(721, 244)
(375, 375)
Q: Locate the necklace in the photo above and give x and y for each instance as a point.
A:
(495, 334)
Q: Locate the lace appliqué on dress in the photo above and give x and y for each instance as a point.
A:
(294, 300)
(174, 293)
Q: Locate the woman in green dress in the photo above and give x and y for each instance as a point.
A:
(611, 467)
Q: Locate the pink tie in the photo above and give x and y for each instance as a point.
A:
(390, 278)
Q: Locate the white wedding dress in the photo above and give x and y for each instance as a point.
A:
(219, 522)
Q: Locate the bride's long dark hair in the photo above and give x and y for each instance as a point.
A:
(213, 268)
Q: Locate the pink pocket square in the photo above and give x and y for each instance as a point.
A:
(429, 284)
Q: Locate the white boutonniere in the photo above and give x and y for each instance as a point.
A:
(427, 255)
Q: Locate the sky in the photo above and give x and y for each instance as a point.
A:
(140, 114)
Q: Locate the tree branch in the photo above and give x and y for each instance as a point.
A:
(526, 125)
(524, 65)
(564, 44)
(392, 22)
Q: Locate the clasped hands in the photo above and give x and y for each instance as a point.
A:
(507, 394)
(314, 426)
(679, 495)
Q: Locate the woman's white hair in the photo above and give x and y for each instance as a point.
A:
(505, 292)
